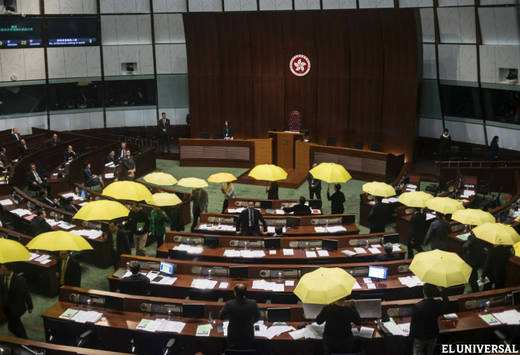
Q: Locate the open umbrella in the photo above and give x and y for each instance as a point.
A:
(497, 233)
(159, 178)
(415, 199)
(194, 183)
(102, 210)
(163, 199)
(59, 240)
(376, 188)
(517, 249)
(12, 251)
(222, 177)
(473, 217)
(444, 205)
(268, 172)
(324, 285)
(440, 268)
(127, 190)
(331, 173)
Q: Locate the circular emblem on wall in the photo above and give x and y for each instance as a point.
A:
(300, 65)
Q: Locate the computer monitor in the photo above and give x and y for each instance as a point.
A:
(377, 272)
(329, 244)
(272, 243)
(177, 254)
(266, 205)
(369, 308)
(293, 222)
(238, 272)
(348, 219)
(516, 298)
(278, 314)
(212, 242)
(115, 303)
(167, 268)
(194, 310)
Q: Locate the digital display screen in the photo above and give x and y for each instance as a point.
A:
(166, 268)
(377, 272)
(72, 31)
(20, 31)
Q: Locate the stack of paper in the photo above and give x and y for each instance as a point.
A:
(310, 254)
(51, 222)
(289, 283)
(396, 247)
(356, 286)
(86, 316)
(267, 286)
(359, 250)
(410, 281)
(235, 210)
(464, 236)
(73, 195)
(390, 200)
(288, 252)
(164, 280)
(336, 229)
(109, 175)
(272, 229)
(402, 329)
(223, 284)
(349, 252)
(231, 253)
(374, 250)
(429, 216)
(467, 193)
(489, 319)
(311, 331)
(252, 253)
(363, 332)
(33, 256)
(320, 229)
(280, 212)
(203, 330)
(323, 253)
(148, 325)
(89, 233)
(226, 228)
(161, 325)
(511, 317)
(65, 225)
(203, 284)
(6, 202)
(20, 212)
(275, 330)
(43, 259)
(190, 249)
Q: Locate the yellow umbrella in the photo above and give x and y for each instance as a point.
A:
(102, 210)
(11, 251)
(330, 172)
(517, 249)
(162, 179)
(497, 233)
(473, 217)
(444, 205)
(268, 172)
(59, 240)
(192, 182)
(127, 190)
(440, 268)
(377, 188)
(222, 177)
(324, 285)
(415, 198)
(163, 199)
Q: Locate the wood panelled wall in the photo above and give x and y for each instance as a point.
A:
(363, 83)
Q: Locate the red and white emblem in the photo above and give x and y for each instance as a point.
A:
(300, 65)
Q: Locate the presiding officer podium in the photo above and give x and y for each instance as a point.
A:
(284, 148)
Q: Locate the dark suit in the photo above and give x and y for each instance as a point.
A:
(72, 276)
(15, 300)
(242, 315)
(337, 200)
(69, 155)
(120, 154)
(23, 149)
(272, 192)
(314, 187)
(16, 137)
(377, 217)
(495, 266)
(47, 200)
(135, 284)
(444, 147)
(31, 179)
(474, 253)
(109, 159)
(298, 210)
(39, 226)
(120, 246)
(200, 204)
(249, 222)
(416, 233)
(425, 315)
(128, 164)
(162, 127)
(337, 336)
(90, 180)
(228, 132)
(52, 143)
(437, 234)
(494, 151)
(5, 159)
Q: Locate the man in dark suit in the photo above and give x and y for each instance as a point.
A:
(495, 266)
(416, 232)
(248, 222)
(4, 158)
(23, 148)
(66, 204)
(15, 299)
(162, 127)
(38, 224)
(128, 166)
(69, 154)
(378, 216)
(69, 273)
(53, 141)
(301, 209)
(46, 199)
(111, 158)
(200, 204)
(437, 234)
(135, 284)
(36, 181)
(119, 241)
(90, 178)
(242, 313)
(314, 185)
(474, 253)
(121, 152)
(15, 136)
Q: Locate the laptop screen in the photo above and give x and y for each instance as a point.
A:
(377, 272)
(166, 268)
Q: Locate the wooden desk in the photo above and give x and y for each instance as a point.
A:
(237, 202)
(240, 153)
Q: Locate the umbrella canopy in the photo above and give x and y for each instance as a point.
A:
(473, 217)
(102, 210)
(194, 183)
(517, 249)
(324, 285)
(440, 268)
(444, 205)
(415, 198)
(268, 172)
(127, 190)
(11, 251)
(59, 240)
(376, 188)
(162, 179)
(330, 172)
(222, 177)
(497, 233)
(163, 199)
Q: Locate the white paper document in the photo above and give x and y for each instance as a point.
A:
(190, 249)
(320, 229)
(363, 332)
(359, 250)
(20, 212)
(349, 252)
(323, 253)
(275, 330)
(272, 229)
(288, 252)
(203, 284)
(109, 175)
(89, 233)
(336, 229)
(375, 250)
(231, 253)
(6, 202)
(87, 316)
(310, 254)
(65, 225)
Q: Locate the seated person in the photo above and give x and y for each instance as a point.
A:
(4, 158)
(38, 224)
(248, 222)
(135, 284)
(67, 205)
(91, 179)
(36, 181)
(46, 199)
(128, 166)
(300, 209)
(69, 154)
(388, 255)
(111, 158)
(53, 141)
(15, 136)
(23, 148)
(2, 168)
(228, 130)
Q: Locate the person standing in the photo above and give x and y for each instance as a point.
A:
(15, 300)
(474, 253)
(494, 150)
(416, 232)
(128, 166)
(69, 154)
(248, 223)
(118, 240)
(437, 234)
(200, 204)
(228, 130)
(444, 144)
(424, 327)
(23, 148)
(242, 313)
(228, 190)
(163, 126)
(139, 224)
(495, 266)
(314, 185)
(377, 216)
(15, 136)
(69, 273)
(337, 199)
(158, 220)
(337, 336)
(272, 191)
(121, 152)
(300, 209)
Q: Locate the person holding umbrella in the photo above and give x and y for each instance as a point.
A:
(272, 191)
(437, 234)
(69, 273)
(337, 199)
(158, 220)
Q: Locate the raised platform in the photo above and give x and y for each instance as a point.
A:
(294, 179)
